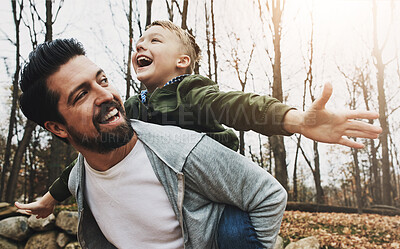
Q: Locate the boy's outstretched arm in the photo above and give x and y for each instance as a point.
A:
(41, 208)
(322, 125)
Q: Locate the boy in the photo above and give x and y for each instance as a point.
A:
(166, 53)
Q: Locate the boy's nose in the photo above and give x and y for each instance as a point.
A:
(140, 46)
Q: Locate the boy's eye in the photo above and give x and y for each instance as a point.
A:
(155, 40)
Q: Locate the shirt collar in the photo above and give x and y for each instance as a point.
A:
(177, 79)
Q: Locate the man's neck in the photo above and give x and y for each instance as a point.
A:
(103, 162)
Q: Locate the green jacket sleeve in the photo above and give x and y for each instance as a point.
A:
(59, 189)
(239, 110)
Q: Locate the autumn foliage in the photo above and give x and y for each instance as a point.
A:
(339, 230)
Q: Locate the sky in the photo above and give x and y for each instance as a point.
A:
(342, 39)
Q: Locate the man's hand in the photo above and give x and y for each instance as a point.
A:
(41, 208)
(333, 127)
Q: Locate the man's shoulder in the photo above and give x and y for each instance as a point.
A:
(166, 134)
(75, 176)
(170, 143)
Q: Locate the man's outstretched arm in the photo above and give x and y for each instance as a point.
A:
(41, 208)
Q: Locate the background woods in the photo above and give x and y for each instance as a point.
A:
(287, 49)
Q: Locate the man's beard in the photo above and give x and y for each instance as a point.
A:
(105, 141)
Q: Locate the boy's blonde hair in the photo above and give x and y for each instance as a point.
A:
(192, 49)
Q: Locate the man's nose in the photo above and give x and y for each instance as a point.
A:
(103, 95)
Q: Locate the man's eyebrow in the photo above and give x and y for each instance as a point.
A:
(81, 86)
(99, 72)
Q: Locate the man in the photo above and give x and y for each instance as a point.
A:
(140, 185)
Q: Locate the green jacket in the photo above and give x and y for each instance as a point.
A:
(197, 104)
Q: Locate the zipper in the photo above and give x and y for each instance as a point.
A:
(81, 241)
(181, 194)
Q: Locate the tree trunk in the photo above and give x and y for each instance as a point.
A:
(170, 9)
(32, 172)
(317, 175)
(12, 121)
(184, 14)
(148, 12)
(241, 142)
(208, 41)
(128, 75)
(380, 67)
(57, 159)
(375, 179)
(214, 43)
(49, 21)
(58, 148)
(356, 173)
(295, 189)
(279, 152)
(277, 142)
(12, 181)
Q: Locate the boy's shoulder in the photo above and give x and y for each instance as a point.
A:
(195, 81)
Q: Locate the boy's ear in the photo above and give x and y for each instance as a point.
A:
(56, 128)
(183, 61)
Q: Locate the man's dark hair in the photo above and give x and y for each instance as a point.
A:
(38, 102)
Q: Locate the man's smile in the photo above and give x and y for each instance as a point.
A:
(111, 117)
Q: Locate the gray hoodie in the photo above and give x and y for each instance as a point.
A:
(199, 176)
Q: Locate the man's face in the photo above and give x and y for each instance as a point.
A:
(93, 110)
(157, 57)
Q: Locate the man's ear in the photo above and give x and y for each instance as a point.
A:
(183, 61)
(56, 128)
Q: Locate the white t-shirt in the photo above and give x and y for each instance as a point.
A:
(130, 204)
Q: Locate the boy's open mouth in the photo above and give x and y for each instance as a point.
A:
(143, 61)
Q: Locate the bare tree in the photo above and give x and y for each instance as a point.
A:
(236, 62)
(128, 74)
(149, 3)
(17, 16)
(380, 67)
(274, 9)
(30, 126)
(170, 9)
(208, 39)
(351, 88)
(214, 42)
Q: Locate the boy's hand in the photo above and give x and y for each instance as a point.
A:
(41, 208)
(334, 127)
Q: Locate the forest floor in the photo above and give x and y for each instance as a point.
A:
(339, 230)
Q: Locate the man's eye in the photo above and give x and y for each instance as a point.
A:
(104, 81)
(80, 96)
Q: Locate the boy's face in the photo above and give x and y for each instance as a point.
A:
(159, 57)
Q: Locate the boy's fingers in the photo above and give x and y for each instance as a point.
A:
(326, 94)
(350, 143)
(364, 127)
(355, 114)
